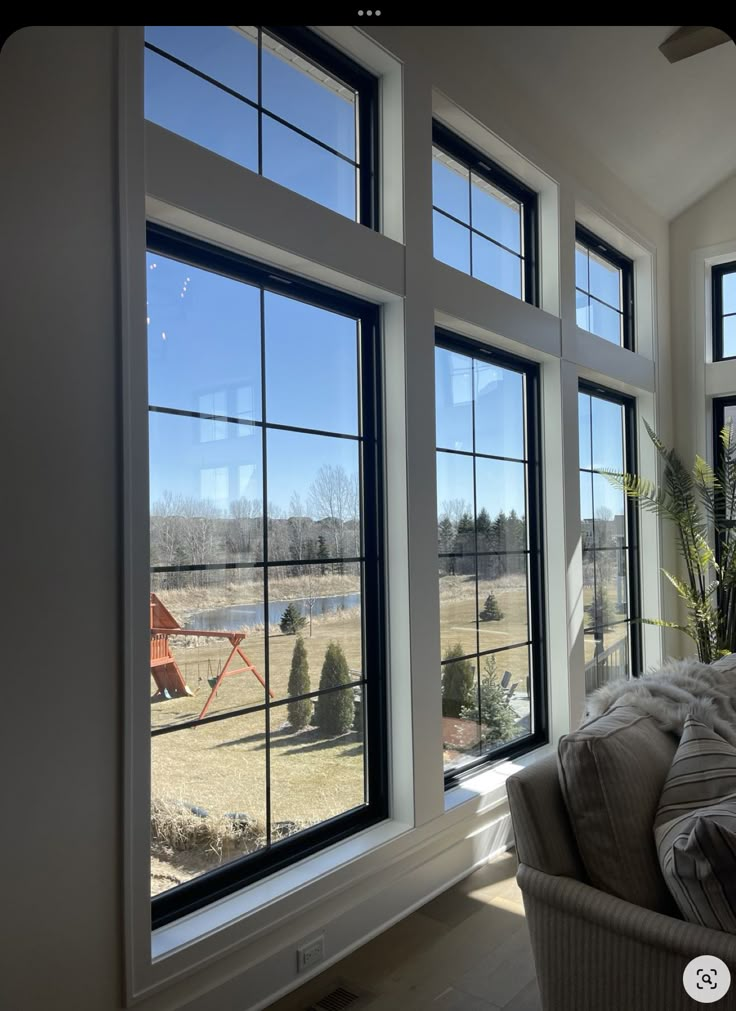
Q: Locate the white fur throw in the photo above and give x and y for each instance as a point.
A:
(680, 688)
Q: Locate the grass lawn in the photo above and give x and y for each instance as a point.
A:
(209, 782)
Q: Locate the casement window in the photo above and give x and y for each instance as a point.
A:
(484, 219)
(280, 101)
(724, 311)
(267, 634)
(609, 536)
(490, 553)
(604, 289)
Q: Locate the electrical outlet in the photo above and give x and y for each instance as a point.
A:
(310, 953)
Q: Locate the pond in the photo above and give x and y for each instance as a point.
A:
(235, 617)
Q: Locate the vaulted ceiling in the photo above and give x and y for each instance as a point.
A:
(667, 130)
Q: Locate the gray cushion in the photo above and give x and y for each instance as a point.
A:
(612, 772)
(695, 827)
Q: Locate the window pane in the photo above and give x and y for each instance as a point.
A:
(608, 435)
(605, 322)
(606, 656)
(458, 615)
(505, 712)
(582, 310)
(501, 491)
(199, 480)
(455, 498)
(451, 242)
(586, 507)
(729, 292)
(208, 798)
(307, 97)
(496, 266)
(584, 411)
(319, 607)
(454, 399)
(495, 214)
(605, 281)
(322, 474)
(306, 168)
(609, 506)
(581, 267)
(317, 771)
(185, 104)
(217, 675)
(502, 600)
(204, 341)
(219, 51)
(450, 185)
(499, 410)
(460, 704)
(729, 336)
(311, 366)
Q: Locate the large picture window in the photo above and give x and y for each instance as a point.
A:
(490, 561)
(609, 538)
(724, 311)
(604, 289)
(267, 665)
(484, 219)
(279, 101)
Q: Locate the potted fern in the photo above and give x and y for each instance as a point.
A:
(701, 503)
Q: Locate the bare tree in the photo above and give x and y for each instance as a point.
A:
(333, 497)
(453, 509)
(298, 524)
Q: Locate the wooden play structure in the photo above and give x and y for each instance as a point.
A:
(164, 668)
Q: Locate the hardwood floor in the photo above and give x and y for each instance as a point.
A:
(466, 950)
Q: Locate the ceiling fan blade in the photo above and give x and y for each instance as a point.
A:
(691, 39)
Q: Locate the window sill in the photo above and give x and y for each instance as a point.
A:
(250, 910)
(485, 791)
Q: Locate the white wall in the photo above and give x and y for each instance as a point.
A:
(62, 734)
(700, 234)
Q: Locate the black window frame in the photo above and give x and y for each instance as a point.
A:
(717, 274)
(631, 465)
(336, 64)
(719, 409)
(595, 244)
(451, 341)
(482, 165)
(221, 881)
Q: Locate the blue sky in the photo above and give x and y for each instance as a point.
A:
(204, 353)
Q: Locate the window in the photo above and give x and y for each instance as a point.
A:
(267, 662)
(484, 218)
(724, 311)
(609, 538)
(604, 289)
(279, 101)
(490, 561)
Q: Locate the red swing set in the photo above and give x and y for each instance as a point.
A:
(166, 672)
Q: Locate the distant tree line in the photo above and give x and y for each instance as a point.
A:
(191, 531)
(458, 535)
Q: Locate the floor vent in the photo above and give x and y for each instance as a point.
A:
(341, 998)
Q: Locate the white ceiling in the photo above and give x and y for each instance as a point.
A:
(667, 130)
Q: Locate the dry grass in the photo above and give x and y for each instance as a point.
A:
(220, 767)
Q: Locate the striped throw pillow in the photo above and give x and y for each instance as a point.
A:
(695, 827)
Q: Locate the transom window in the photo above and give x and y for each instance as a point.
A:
(604, 283)
(489, 545)
(609, 538)
(724, 311)
(279, 101)
(267, 664)
(484, 218)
